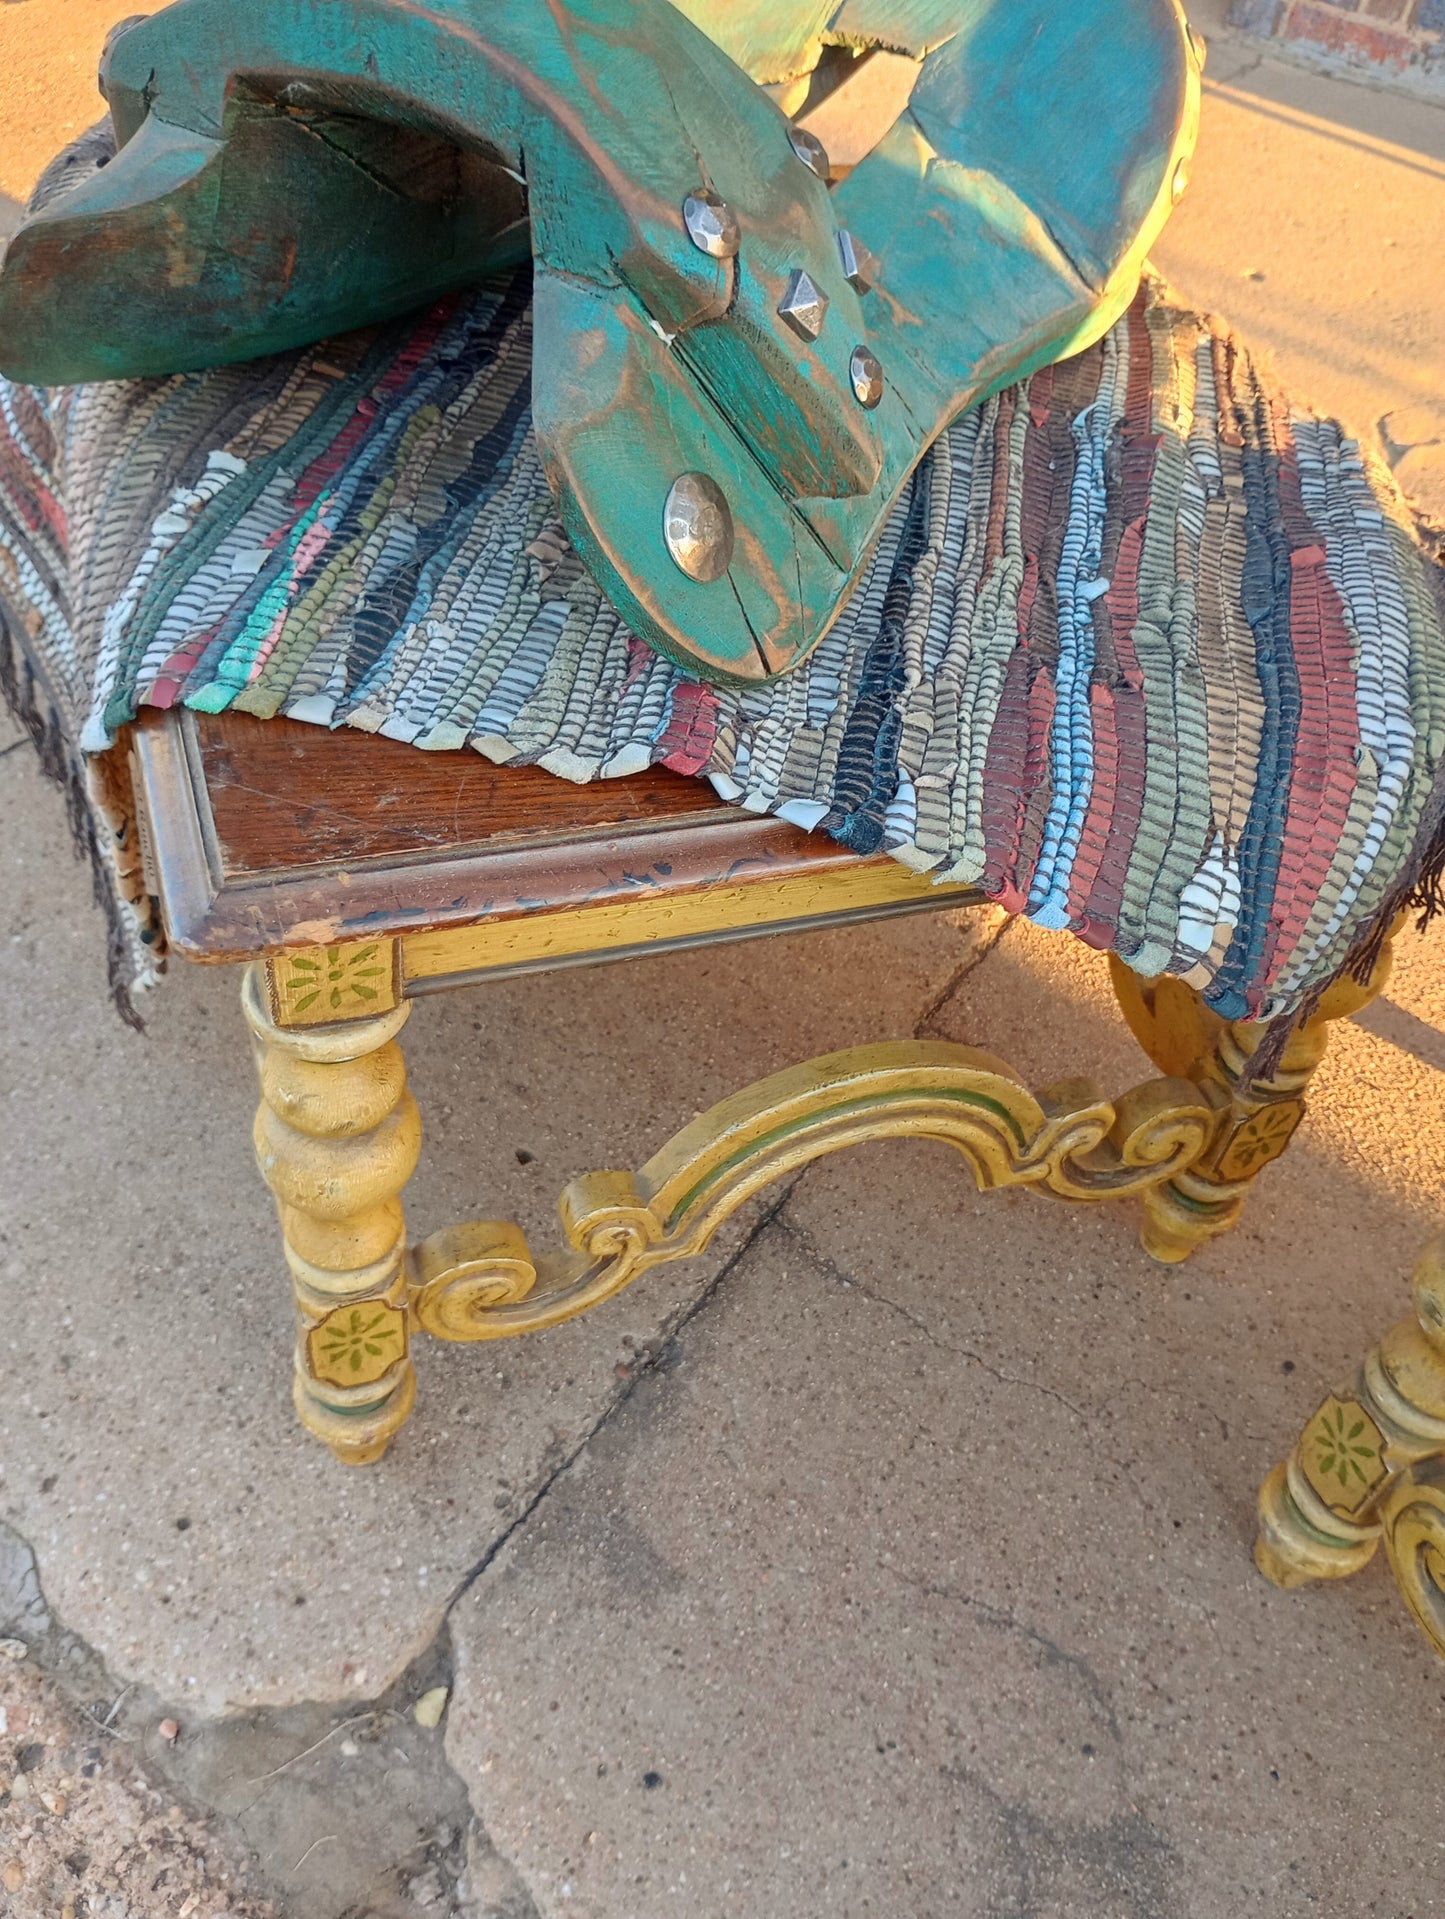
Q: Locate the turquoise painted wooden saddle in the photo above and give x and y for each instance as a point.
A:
(739, 360)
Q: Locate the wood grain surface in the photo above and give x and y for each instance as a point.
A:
(284, 795)
(265, 836)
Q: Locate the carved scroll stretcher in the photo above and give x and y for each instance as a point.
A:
(483, 1282)
(337, 1136)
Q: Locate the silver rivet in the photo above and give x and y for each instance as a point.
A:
(804, 306)
(865, 370)
(1181, 181)
(860, 269)
(711, 223)
(697, 524)
(810, 150)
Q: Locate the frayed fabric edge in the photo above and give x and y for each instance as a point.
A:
(35, 713)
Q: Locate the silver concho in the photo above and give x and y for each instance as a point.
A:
(860, 269)
(865, 370)
(697, 524)
(712, 225)
(810, 150)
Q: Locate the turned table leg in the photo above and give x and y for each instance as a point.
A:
(1370, 1465)
(1258, 1117)
(337, 1137)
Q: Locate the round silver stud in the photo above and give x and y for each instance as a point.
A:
(810, 150)
(712, 225)
(865, 370)
(697, 524)
(1180, 182)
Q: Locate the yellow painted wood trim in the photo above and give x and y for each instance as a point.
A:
(481, 1280)
(640, 919)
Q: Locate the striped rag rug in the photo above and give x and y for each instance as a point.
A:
(1145, 652)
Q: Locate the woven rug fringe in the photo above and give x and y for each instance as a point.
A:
(62, 765)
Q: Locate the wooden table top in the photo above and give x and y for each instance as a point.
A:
(263, 836)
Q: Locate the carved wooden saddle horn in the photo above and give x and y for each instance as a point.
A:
(736, 364)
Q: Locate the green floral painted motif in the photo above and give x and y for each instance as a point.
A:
(1261, 1139)
(348, 1340)
(345, 974)
(1341, 1444)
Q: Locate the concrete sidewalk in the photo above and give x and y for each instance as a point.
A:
(893, 1559)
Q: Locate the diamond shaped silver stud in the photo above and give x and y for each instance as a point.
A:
(803, 306)
(810, 150)
(860, 269)
(865, 370)
(697, 524)
(712, 225)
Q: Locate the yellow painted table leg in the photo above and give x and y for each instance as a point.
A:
(337, 1136)
(1370, 1465)
(1258, 1117)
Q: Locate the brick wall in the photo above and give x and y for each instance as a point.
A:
(1398, 42)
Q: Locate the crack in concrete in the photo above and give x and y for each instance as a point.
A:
(831, 1270)
(653, 1356)
(840, 1278)
(1176, 1393)
(656, 1349)
(1252, 65)
(440, 1855)
(209, 1762)
(1180, 1396)
(413, 1841)
(949, 989)
(459, 1855)
(86, 1702)
(1006, 1621)
(991, 1614)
